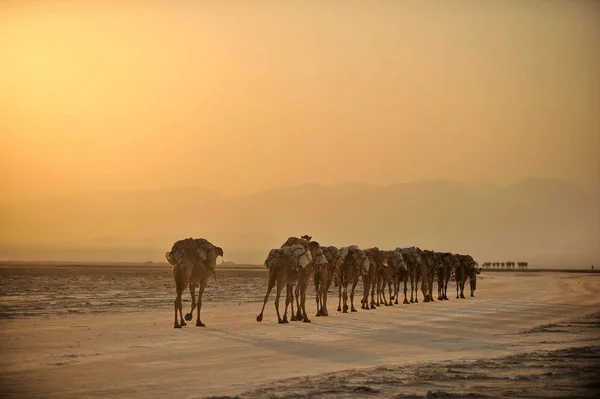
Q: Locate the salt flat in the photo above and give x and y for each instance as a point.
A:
(140, 354)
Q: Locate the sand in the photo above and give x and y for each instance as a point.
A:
(500, 343)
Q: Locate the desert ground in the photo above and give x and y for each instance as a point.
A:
(93, 331)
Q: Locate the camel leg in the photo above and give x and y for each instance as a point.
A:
(457, 288)
(189, 315)
(292, 312)
(366, 289)
(180, 308)
(381, 292)
(412, 285)
(288, 298)
(430, 287)
(324, 301)
(270, 285)
(345, 295)
(317, 295)
(199, 306)
(277, 296)
(373, 287)
(417, 289)
(424, 287)
(340, 297)
(405, 291)
(298, 308)
(391, 290)
(177, 304)
(303, 286)
(352, 308)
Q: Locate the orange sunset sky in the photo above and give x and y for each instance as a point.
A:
(241, 96)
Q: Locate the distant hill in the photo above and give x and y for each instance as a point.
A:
(535, 220)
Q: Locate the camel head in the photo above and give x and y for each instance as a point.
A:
(219, 251)
(306, 237)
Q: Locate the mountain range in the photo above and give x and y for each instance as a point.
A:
(543, 221)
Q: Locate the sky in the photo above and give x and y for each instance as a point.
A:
(243, 96)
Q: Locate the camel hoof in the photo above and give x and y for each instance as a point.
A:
(373, 306)
(306, 321)
(406, 302)
(281, 322)
(412, 301)
(345, 311)
(462, 296)
(200, 325)
(339, 309)
(188, 317)
(183, 323)
(396, 302)
(318, 315)
(325, 314)
(472, 295)
(259, 318)
(176, 326)
(354, 310)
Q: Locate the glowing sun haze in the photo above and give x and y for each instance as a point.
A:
(240, 96)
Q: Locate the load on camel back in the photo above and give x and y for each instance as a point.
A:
(193, 260)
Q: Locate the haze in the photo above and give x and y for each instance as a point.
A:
(238, 97)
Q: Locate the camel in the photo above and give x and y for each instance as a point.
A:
(432, 264)
(465, 267)
(394, 274)
(193, 260)
(418, 269)
(286, 266)
(317, 265)
(354, 265)
(445, 270)
(522, 265)
(371, 283)
(324, 276)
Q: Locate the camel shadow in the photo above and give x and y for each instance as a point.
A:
(301, 349)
